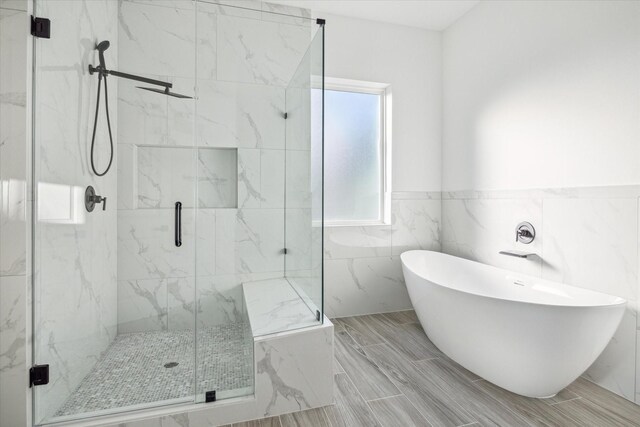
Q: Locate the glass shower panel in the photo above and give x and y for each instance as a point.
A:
(242, 74)
(142, 301)
(304, 180)
(114, 288)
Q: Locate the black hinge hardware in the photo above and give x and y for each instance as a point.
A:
(38, 375)
(210, 396)
(286, 116)
(318, 315)
(284, 251)
(40, 27)
(320, 21)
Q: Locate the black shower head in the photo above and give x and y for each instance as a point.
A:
(165, 91)
(101, 47)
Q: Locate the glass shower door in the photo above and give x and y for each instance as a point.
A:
(114, 288)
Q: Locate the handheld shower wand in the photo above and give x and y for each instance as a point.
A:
(101, 47)
(102, 73)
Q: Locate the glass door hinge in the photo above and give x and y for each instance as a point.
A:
(38, 375)
(40, 27)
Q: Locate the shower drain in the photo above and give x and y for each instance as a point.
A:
(171, 365)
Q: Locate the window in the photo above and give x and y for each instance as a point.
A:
(354, 152)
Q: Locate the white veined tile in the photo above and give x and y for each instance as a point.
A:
(249, 178)
(364, 285)
(13, 225)
(13, 302)
(259, 240)
(415, 224)
(156, 40)
(219, 300)
(298, 179)
(258, 51)
(85, 22)
(637, 397)
(207, 28)
(592, 244)
(299, 239)
(272, 176)
(175, 4)
(127, 177)
(240, 115)
(249, 241)
(357, 242)
(181, 112)
(165, 175)
(205, 242)
(142, 305)
(297, 368)
(181, 303)
(217, 178)
(479, 229)
(614, 369)
(14, 4)
(146, 244)
(142, 115)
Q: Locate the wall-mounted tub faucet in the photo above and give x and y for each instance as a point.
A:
(525, 233)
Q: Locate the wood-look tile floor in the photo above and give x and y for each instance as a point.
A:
(388, 373)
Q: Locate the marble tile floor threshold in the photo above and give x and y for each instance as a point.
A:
(132, 370)
(388, 374)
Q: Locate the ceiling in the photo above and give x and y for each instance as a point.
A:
(429, 14)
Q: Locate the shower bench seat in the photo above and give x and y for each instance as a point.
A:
(274, 305)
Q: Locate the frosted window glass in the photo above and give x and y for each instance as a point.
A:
(352, 156)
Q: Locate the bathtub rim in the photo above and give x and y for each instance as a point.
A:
(617, 300)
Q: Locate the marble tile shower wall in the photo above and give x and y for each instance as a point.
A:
(14, 213)
(229, 143)
(363, 273)
(75, 252)
(585, 237)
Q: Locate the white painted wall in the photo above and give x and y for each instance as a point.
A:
(546, 94)
(542, 94)
(409, 59)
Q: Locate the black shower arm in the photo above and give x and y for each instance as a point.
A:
(99, 69)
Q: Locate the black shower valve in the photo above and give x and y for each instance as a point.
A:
(91, 199)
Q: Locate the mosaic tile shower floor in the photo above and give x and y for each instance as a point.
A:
(132, 371)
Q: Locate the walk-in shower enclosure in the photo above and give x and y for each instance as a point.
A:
(211, 233)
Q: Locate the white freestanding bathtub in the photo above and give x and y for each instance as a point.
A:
(527, 335)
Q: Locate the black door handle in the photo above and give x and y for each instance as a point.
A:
(178, 225)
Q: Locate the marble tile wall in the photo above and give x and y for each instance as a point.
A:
(14, 214)
(363, 273)
(586, 237)
(75, 278)
(222, 152)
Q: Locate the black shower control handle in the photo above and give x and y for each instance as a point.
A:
(102, 200)
(91, 199)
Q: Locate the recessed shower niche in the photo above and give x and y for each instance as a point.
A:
(164, 175)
